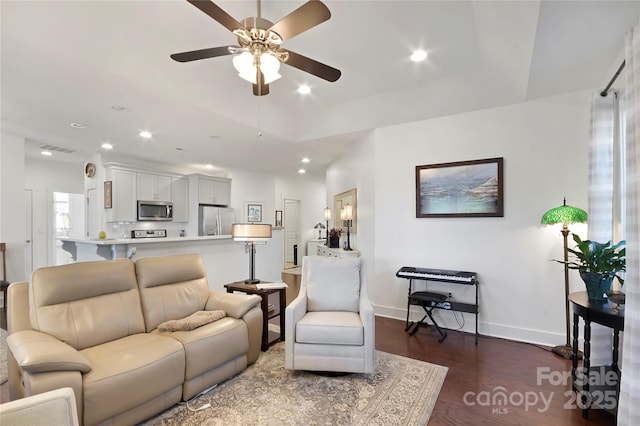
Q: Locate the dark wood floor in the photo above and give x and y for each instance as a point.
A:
(484, 370)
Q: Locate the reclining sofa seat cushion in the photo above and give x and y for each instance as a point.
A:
(174, 287)
(95, 308)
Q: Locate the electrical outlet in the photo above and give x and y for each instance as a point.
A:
(449, 295)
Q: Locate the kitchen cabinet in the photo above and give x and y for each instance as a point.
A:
(123, 196)
(180, 199)
(152, 187)
(214, 191)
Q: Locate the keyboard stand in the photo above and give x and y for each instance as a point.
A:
(439, 301)
(427, 300)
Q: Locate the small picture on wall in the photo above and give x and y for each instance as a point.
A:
(461, 189)
(278, 219)
(254, 212)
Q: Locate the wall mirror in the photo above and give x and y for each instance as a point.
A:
(348, 197)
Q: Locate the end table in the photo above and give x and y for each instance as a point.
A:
(264, 294)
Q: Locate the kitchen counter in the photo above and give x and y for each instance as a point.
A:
(110, 241)
(83, 250)
(225, 259)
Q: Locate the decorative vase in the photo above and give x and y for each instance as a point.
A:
(334, 242)
(597, 285)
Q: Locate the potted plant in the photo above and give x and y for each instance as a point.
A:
(598, 264)
(334, 237)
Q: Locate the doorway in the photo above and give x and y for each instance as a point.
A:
(68, 222)
(292, 249)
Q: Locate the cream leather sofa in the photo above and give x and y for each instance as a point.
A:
(93, 327)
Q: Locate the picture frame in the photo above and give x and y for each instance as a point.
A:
(460, 189)
(278, 222)
(108, 196)
(253, 211)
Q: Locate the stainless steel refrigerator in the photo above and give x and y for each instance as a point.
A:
(215, 220)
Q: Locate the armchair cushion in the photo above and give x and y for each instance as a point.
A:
(333, 284)
(330, 328)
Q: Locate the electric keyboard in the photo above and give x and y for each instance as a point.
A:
(437, 275)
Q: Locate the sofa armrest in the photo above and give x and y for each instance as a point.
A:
(235, 305)
(38, 352)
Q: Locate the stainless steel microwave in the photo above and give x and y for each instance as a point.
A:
(155, 210)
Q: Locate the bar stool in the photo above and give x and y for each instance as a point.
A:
(4, 284)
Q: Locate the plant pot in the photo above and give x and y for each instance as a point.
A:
(334, 242)
(597, 285)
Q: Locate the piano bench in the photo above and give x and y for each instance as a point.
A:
(427, 297)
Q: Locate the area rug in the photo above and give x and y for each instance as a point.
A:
(402, 391)
(3, 356)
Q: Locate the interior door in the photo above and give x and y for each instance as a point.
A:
(292, 233)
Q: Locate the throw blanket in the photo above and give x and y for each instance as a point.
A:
(194, 320)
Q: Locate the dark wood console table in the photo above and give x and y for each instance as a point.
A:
(266, 315)
(604, 392)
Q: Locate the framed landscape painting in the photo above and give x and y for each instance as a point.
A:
(460, 189)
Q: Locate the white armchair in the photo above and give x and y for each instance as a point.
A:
(56, 407)
(330, 326)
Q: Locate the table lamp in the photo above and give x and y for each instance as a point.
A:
(347, 216)
(327, 217)
(565, 214)
(319, 227)
(251, 234)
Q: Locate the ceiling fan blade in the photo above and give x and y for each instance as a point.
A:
(214, 11)
(260, 88)
(305, 17)
(312, 66)
(194, 55)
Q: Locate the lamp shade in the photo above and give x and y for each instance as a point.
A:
(348, 212)
(327, 213)
(319, 225)
(564, 214)
(251, 231)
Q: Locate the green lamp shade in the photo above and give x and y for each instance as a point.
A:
(564, 214)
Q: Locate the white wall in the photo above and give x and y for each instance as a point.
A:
(43, 178)
(12, 204)
(544, 144)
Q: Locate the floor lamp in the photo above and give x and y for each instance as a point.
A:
(251, 234)
(565, 215)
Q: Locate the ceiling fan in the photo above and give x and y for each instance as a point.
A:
(259, 54)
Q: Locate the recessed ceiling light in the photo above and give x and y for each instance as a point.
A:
(46, 153)
(209, 166)
(304, 89)
(302, 171)
(145, 134)
(305, 160)
(107, 145)
(78, 125)
(418, 56)
(118, 108)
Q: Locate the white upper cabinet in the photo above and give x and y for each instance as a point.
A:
(214, 191)
(123, 196)
(180, 198)
(152, 187)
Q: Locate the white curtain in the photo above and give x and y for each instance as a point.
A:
(629, 401)
(603, 123)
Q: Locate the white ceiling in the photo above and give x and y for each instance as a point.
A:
(70, 61)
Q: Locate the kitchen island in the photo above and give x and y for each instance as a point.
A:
(225, 260)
